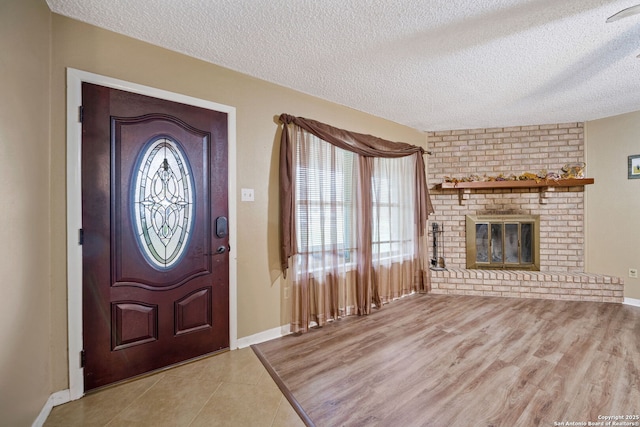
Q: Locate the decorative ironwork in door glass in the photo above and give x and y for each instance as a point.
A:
(163, 202)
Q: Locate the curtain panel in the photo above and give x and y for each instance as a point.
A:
(355, 235)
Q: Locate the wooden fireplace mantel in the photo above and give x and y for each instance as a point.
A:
(544, 186)
(483, 185)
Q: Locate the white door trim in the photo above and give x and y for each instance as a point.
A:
(75, 78)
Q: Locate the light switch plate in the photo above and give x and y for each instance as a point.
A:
(246, 195)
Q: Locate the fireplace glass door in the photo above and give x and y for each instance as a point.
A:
(503, 242)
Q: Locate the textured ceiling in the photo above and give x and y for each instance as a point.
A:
(428, 64)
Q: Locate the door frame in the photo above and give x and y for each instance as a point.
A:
(75, 78)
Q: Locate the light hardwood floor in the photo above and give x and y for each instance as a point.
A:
(437, 360)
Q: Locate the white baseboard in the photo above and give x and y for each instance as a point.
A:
(263, 336)
(57, 398)
(632, 301)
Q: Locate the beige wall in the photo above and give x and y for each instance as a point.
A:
(613, 202)
(25, 353)
(261, 305)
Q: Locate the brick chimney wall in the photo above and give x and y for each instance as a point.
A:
(515, 150)
(507, 151)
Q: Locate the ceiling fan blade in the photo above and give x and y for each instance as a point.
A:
(624, 13)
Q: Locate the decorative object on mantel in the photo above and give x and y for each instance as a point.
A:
(479, 185)
(634, 166)
(570, 171)
(573, 170)
(545, 181)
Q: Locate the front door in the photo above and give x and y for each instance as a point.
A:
(155, 233)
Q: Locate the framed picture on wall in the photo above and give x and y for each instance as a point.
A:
(634, 166)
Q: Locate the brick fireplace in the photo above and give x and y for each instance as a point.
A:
(514, 150)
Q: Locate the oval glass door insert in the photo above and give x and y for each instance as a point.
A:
(163, 202)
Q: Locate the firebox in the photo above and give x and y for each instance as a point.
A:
(503, 242)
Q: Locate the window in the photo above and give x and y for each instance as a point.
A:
(324, 198)
(393, 214)
(163, 202)
(325, 191)
(352, 223)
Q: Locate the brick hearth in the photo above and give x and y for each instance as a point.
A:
(528, 284)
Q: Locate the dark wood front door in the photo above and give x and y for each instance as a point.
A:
(155, 239)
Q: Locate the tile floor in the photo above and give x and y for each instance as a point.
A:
(228, 389)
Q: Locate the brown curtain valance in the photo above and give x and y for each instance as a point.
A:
(361, 144)
(365, 145)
